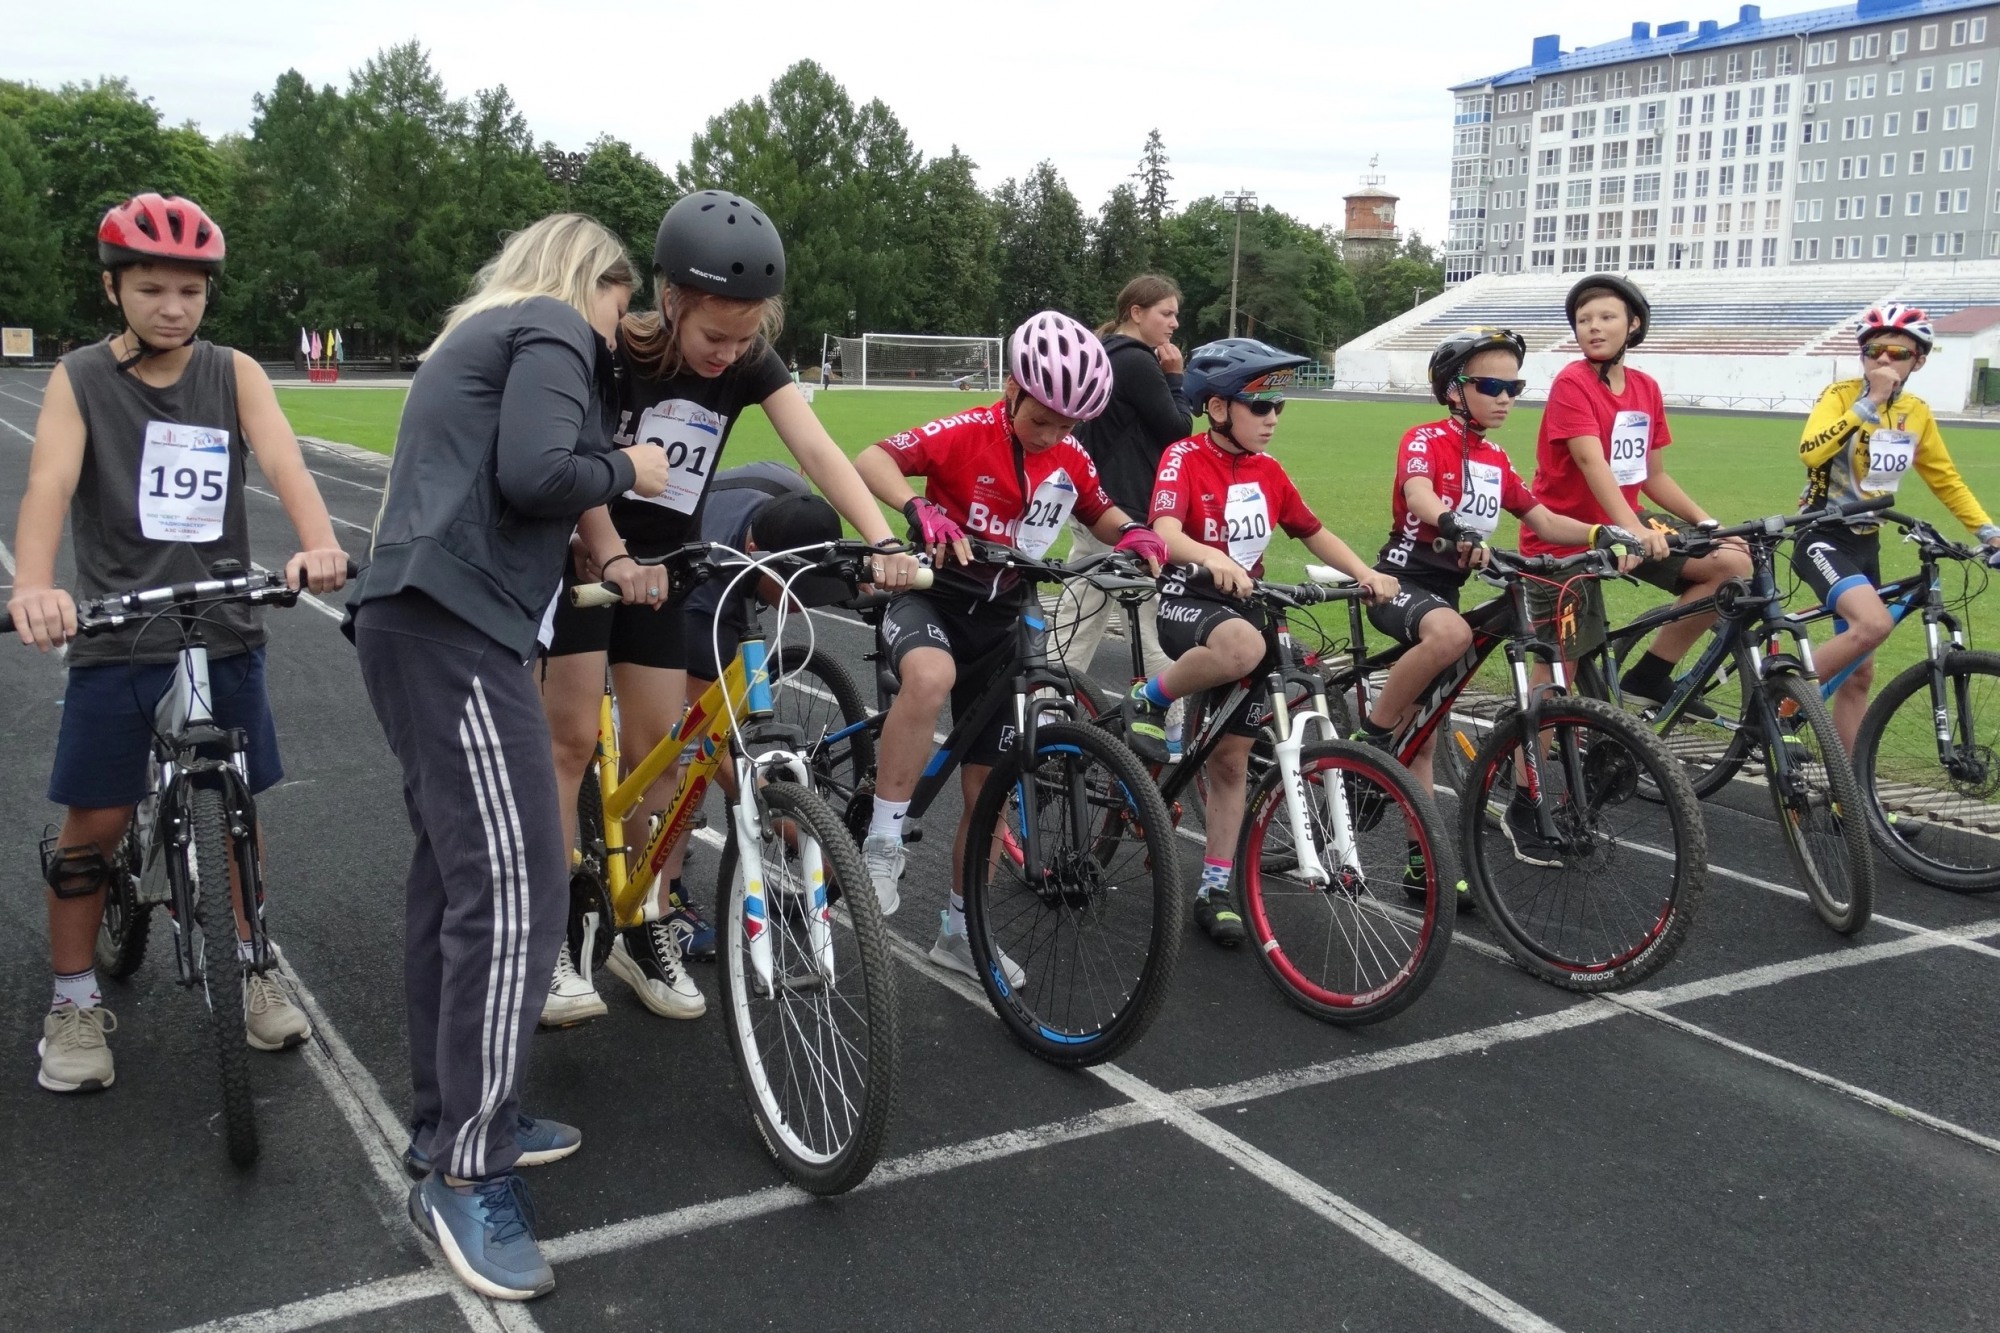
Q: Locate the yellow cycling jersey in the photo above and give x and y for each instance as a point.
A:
(1839, 443)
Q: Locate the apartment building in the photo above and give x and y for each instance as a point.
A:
(1828, 136)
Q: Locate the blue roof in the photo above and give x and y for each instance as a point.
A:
(1677, 38)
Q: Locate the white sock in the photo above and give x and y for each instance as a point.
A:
(887, 821)
(79, 990)
(956, 916)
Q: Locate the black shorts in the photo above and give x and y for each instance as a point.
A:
(1187, 619)
(976, 634)
(1401, 616)
(640, 635)
(1833, 560)
(1574, 619)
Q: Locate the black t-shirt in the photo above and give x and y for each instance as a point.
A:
(691, 417)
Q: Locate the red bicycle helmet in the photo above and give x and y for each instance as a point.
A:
(1895, 318)
(150, 229)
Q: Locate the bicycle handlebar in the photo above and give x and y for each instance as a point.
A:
(1280, 594)
(1775, 526)
(698, 562)
(99, 614)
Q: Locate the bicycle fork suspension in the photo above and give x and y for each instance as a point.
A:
(1311, 869)
(747, 813)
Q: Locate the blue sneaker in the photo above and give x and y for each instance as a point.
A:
(486, 1229)
(693, 932)
(540, 1142)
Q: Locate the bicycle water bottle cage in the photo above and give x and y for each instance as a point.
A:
(74, 872)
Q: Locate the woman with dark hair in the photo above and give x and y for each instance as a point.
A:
(1147, 413)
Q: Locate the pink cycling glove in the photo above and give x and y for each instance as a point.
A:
(1143, 542)
(930, 525)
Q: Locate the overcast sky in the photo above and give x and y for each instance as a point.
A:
(1287, 99)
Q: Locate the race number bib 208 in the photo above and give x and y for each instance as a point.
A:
(1048, 510)
(1890, 455)
(1631, 434)
(183, 483)
(1479, 506)
(692, 437)
(1246, 518)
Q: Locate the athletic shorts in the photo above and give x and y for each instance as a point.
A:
(1187, 618)
(1579, 626)
(107, 727)
(640, 635)
(976, 635)
(1401, 615)
(1834, 560)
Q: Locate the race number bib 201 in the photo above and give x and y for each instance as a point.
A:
(692, 437)
(1890, 454)
(183, 483)
(1246, 520)
(1479, 506)
(1631, 434)
(1048, 510)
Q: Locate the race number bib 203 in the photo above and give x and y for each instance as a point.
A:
(1631, 433)
(1246, 519)
(183, 483)
(1479, 507)
(692, 437)
(1890, 454)
(1048, 510)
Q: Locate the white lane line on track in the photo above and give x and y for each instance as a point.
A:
(7, 559)
(345, 523)
(26, 435)
(19, 399)
(310, 600)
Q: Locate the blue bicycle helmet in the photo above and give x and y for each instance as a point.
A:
(1239, 368)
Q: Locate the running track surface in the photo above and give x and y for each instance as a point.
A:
(1783, 1130)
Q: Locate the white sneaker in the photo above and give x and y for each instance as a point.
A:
(75, 1057)
(648, 959)
(955, 952)
(271, 1022)
(883, 854)
(572, 999)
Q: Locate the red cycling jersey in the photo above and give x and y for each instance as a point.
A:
(1628, 426)
(1229, 501)
(1471, 474)
(969, 464)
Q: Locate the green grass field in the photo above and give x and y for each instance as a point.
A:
(1341, 454)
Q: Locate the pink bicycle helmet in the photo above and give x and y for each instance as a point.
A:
(1895, 318)
(1061, 365)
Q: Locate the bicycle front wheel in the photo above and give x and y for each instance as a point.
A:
(1363, 945)
(212, 937)
(1936, 819)
(818, 1042)
(815, 694)
(1077, 947)
(1818, 801)
(1605, 896)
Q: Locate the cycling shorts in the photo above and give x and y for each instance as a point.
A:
(1401, 616)
(1186, 620)
(642, 635)
(976, 634)
(1834, 560)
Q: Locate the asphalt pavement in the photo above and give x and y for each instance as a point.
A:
(1782, 1130)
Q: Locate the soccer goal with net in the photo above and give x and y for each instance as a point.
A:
(920, 361)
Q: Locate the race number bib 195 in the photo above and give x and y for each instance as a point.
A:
(1246, 519)
(692, 437)
(1048, 510)
(1890, 454)
(1631, 434)
(183, 482)
(1479, 506)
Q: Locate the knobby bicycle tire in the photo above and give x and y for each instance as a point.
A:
(845, 1028)
(1818, 803)
(1361, 948)
(1584, 923)
(1097, 930)
(214, 940)
(121, 935)
(1711, 753)
(1954, 842)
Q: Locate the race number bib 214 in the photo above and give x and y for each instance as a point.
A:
(183, 483)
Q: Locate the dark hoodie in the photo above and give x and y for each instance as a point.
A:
(1147, 412)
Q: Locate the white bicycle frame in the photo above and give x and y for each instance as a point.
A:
(749, 815)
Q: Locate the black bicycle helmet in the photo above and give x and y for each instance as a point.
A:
(723, 244)
(1239, 368)
(1623, 288)
(1448, 361)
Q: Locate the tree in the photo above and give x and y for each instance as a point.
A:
(1044, 248)
(623, 189)
(502, 184)
(1154, 178)
(1389, 286)
(1292, 289)
(29, 291)
(953, 244)
(1121, 245)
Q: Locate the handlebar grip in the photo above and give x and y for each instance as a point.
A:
(1868, 506)
(588, 595)
(6, 623)
(925, 577)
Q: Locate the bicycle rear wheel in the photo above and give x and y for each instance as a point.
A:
(121, 935)
(212, 937)
(1363, 946)
(1709, 737)
(818, 1049)
(1611, 901)
(1819, 807)
(1095, 925)
(1939, 822)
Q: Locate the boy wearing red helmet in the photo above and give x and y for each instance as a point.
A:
(1863, 436)
(109, 413)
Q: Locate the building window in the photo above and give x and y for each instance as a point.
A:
(1576, 259)
(1582, 124)
(1576, 227)
(1753, 140)
(1885, 205)
(1721, 253)
(1701, 184)
(1555, 94)
(1652, 79)
(1700, 222)
(1785, 62)
(1681, 147)
(1965, 158)
(1961, 201)
(1684, 116)
(1881, 247)
(1768, 256)
(1840, 210)
(1704, 145)
(1614, 157)
(1732, 70)
(1954, 75)
(1781, 99)
(1868, 127)
(1798, 249)
(1639, 257)
(1819, 169)
(1548, 162)
(1926, 79)
(1979, 30)
(1545, 231)
(1944, 201)
(1958, 33)
(1854, 48)
(1951, 117)
(1814, 209)
(1686, 76)
(1812, 248)
(1611, 190)
(1680, 185)
(1617, 84)
(1917, 162)
(1646, 153)
(1578, 195)
(1899, 41)
(1583, 157)
(1729, 143)
(1725, 181)
(1676, 221)
(1913, 204)
(1607, 258)
(1545, 195)
(1646, 188)
(1586, 89)
(1617, 120)
(1892, 124)
(1773, 217)
(1847, 168)
(1798, 210)
(1969, 115)
(1910, 245)
(1895, 88)
(1927, 37)
(1778, 138)
(1867, 86)
(1552, 124)
(1724, 214)
(1543, 261)
(1732, 105)
(1861, 167)
(1645, 223)
(1974, 71)
(1853, 87)
(1708, 71)
(1708, 108)
(1610, 226)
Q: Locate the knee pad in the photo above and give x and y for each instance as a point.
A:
(74, 872)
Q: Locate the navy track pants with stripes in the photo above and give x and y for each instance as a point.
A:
(488, 890)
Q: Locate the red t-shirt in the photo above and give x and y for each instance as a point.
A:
(1471, 474)
(1232, 502)
(1630, 426)
(968, 464)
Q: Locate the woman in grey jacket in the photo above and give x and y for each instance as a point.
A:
(504, 442)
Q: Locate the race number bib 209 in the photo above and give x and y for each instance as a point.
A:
(1631, 434)
(1890, 455)
(1246, 519)
(692, 437)
(1048, 510)
(183, 483)
(1479, 506)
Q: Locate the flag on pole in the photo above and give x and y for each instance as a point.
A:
(315, 344)
(339, 346)
(305, 344)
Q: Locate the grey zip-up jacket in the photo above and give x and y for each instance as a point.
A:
(504, 442)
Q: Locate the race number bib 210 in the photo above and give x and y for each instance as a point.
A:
(1246, 516)
(692, 437)
(1631, 435)
(183, 483)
